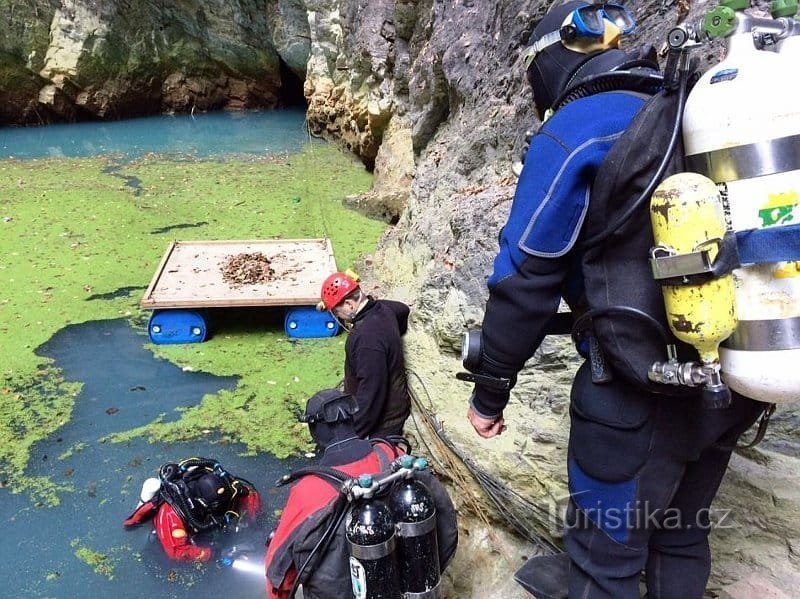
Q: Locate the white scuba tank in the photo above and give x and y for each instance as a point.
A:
(741, 128)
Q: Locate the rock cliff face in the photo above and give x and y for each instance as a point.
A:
(431, 94)
(84, 59)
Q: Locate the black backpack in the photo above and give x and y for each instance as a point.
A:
(201, 491)
(625, 303)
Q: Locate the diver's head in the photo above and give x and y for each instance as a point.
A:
(573, 41)
(213, 492)
(329, 414)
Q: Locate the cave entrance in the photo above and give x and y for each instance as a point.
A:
(291, 93)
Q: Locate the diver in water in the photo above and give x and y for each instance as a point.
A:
(193, 496)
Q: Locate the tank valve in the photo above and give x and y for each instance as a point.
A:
(716, 394)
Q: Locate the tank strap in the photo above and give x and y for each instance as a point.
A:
(772, 244)
(433, 593)
(749, 160)
(373, 552)
(762, 428)
(417, 529)
(749, 246)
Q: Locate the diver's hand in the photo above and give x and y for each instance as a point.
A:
(486, 427)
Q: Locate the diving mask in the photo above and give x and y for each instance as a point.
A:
(586, 29)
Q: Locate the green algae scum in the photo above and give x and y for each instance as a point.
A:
(80, 241)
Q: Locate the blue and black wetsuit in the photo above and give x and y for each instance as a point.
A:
(643, 467)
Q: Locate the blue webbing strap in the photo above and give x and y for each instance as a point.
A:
(773, 244)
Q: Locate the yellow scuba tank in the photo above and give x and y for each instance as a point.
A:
(688, 221)
(741, 129)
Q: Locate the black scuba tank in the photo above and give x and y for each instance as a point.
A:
(414, 512)
(371, 541)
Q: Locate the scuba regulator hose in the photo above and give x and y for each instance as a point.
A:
(394, 442)
(336, 477)
(176, 499)
(640, 314)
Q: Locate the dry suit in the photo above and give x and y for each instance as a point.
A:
(205, 503)
(643, 466)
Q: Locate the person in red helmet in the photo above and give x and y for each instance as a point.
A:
(374, 365)
(194, 496)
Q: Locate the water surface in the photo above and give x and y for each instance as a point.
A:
(202, 135)
(124, 387)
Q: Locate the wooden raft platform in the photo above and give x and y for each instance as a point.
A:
(190, 274)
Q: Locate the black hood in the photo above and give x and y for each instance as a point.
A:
(338, 426)
(556, 69)
(213, 491)
(400, 311)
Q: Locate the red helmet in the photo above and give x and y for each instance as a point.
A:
(337, 287)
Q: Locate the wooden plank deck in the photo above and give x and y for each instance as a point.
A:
(190, 274)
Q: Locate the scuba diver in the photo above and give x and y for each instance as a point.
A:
(374, 364)
(638, 452)
(310, 544)
(194, 496)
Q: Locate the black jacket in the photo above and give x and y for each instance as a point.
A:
(375, 369)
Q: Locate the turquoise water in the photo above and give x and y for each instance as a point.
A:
(202, 135)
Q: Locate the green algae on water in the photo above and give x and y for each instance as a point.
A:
(99, 562)
(103, 564)
(78, 244)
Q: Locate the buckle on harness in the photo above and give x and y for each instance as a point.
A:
(697, 267)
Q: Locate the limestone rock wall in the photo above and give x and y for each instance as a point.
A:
(82, 59)
(24, 38)
(287, 21)
(350, 82)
